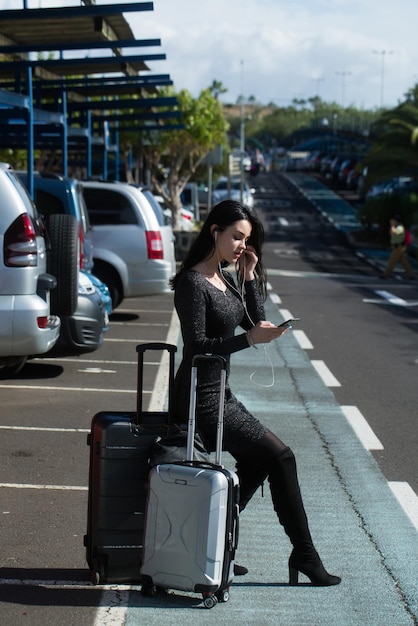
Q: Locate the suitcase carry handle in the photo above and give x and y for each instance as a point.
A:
(141, 349)
(192, 407)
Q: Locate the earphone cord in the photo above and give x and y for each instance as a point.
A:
(267, 357)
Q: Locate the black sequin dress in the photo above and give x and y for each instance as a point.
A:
(209, 318)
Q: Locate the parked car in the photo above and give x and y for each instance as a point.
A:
(187, 221)
(84, 330)
(27, 327)
(220, 191)
(59, 199)
(347, 165)
(132, 255)
(164, 224)
(190, 200)
(56, 194)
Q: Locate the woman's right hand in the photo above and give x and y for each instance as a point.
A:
(264, 332)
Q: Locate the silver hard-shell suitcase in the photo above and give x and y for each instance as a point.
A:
(191, 526)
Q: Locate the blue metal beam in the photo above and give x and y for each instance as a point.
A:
(163, 115)
(73, 12)
(63, 63)
(82, 45)
(103, 80)
(125, 103)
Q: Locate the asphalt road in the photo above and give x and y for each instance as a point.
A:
(366, 338)
(366, 343)
(44, 420)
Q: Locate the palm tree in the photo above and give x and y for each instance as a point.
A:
(395, 151)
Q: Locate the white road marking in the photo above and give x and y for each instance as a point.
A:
(96, 370)
(392, 299)
(130, 323)
(362, 429)
(286, 314)
(102, 361)
(64, 584)
(109, 340)
(389, 298)
(326, 375)
(114, 602)
(407, 498)
(302, 340)
(71, 389)
(43, 487)
(275, 298)
(44, 429)
(158, 398)
(137, 311)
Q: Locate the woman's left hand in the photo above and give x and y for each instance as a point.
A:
(265, 331)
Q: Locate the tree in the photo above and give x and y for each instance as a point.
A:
(217, 88)
(395, 150)
(173, 156)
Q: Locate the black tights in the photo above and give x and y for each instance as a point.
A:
(270, 458)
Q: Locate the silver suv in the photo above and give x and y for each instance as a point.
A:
(26, 326)
(133, 252)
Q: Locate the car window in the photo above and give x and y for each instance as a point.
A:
(107, 207)
(155, 207)
(221, 185)
(28, 202)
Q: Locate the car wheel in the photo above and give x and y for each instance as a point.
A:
(63, 263)
(9, 371)
(111, 279)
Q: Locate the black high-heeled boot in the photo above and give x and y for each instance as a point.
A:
(312, 567)
(288, 504)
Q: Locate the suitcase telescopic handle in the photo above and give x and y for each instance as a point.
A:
(192, 408)
(141, 349)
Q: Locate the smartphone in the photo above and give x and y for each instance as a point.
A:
(288, 323)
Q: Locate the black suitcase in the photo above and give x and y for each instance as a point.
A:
(120, 444)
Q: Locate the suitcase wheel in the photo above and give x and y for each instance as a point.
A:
(223, 595)
(209, 600)
(148, 589)
(97, 573)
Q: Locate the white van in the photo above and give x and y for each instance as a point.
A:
(133, 253)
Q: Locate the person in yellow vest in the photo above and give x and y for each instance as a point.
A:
(397, 234)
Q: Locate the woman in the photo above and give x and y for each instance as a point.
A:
(397, 233)
(210, 306)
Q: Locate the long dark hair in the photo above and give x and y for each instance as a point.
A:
(223, 215)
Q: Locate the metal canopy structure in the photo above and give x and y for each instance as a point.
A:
(74, 103)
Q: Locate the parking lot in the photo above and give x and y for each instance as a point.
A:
(45, 418)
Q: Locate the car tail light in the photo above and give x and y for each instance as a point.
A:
(42, 321)
(186, 216)
(20, 248)
(154, 244)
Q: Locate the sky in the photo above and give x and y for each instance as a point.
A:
(353, 52)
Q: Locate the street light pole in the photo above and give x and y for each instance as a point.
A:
(383, 53)
(318, 81)
(343, 74)
(242, 135)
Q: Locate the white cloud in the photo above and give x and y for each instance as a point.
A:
(289, 48)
